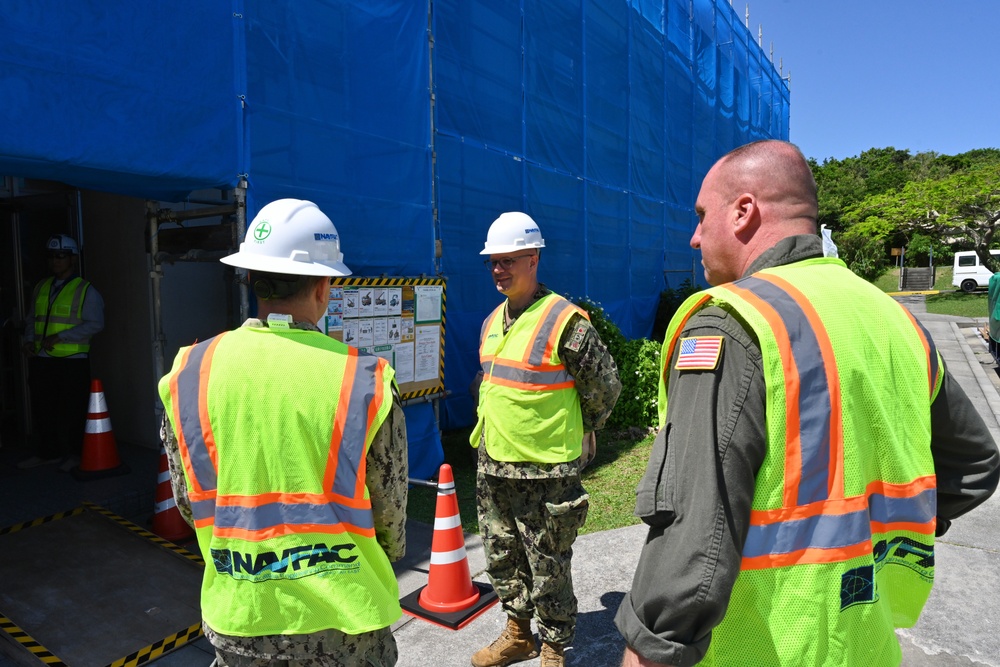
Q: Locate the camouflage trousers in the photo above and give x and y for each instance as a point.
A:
(528, 527)
(329, 648)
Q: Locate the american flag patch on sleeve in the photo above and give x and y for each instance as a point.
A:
(699, 353)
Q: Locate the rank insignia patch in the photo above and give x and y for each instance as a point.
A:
(577, 338)
(699, 353)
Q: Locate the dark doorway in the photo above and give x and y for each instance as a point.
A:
(26, 223)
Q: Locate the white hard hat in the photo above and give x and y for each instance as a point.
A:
(62, 242)
(291, 236)
(511, 232)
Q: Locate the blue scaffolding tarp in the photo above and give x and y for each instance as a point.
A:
(412, 124)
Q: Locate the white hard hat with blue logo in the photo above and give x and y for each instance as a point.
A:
(291, 236)
(511, 232)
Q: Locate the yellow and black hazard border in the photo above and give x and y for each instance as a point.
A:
(156, 649)
(155, 539)
(410, 391)
(28, 642)
(143, 655)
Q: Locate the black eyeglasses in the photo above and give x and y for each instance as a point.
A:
(60, 255)
(505, 262)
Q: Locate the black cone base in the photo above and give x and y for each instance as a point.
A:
(455, 620)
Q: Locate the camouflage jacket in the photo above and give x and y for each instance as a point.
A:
(590, 363)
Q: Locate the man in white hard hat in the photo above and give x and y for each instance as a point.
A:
(287, 452)
(66, 312)
(547, 383)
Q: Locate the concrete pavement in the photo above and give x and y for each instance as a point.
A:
(960, 625)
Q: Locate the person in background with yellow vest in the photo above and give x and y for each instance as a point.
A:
(66, 312)
(547, 383)
(287, 453)
(812, 445)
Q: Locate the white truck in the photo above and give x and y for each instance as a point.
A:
(968, 273)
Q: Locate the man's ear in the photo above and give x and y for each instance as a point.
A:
(747, 214)
(322, 289)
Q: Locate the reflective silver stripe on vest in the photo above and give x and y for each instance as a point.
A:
(75, 316)
(836, 531)
(202, 509)
(528, 377)
(188, 391)
(920, 508)
(502, 368)
(545, 332)
(291, 514)
(815, 401)
(352, 443)
(352, 448)
(933, 351)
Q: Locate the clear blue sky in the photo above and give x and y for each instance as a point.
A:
(922, 75)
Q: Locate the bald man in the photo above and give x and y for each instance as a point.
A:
(812, 446)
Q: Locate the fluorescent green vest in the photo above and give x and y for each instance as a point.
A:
(529, 409)
(65, 312)
(273, 428)
(840, 549)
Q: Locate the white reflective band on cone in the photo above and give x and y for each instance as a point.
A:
(97, 403)
(164, 505)
(98, 426)
(447, 557)
(447, 522)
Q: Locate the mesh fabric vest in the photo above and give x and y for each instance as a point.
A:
(840, 549)
(529, 409)
(64, 313)
(273, 429)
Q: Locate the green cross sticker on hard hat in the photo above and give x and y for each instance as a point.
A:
(262, 230)
(300, 240)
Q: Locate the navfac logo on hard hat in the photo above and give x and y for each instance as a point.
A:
(533, 229)
(325, 237)
(261, 231)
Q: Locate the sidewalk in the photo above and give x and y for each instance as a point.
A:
(959, 626)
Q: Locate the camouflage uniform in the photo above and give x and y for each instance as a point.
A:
(386, 479)
(530, 513)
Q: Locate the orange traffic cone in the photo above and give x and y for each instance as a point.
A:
(167, 520)
(451, 598)
(100, 453)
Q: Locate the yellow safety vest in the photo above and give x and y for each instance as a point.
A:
(529, 409)
(840, 549)
(273, 429)
(62, 314)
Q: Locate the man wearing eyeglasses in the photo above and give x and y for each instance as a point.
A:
(65, 313)
(547, 383)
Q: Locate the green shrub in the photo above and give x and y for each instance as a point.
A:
(638, 367)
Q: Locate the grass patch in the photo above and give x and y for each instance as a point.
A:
(610, 480)
(958, 303)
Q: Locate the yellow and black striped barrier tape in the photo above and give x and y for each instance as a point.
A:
(28, 643)
(386, 282)
(155, 650)
(156, 539)
(39, 522)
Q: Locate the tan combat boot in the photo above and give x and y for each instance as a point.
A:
(514, 644)
(552, 655)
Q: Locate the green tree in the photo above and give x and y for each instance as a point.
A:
(843, 184)
(963, 207)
